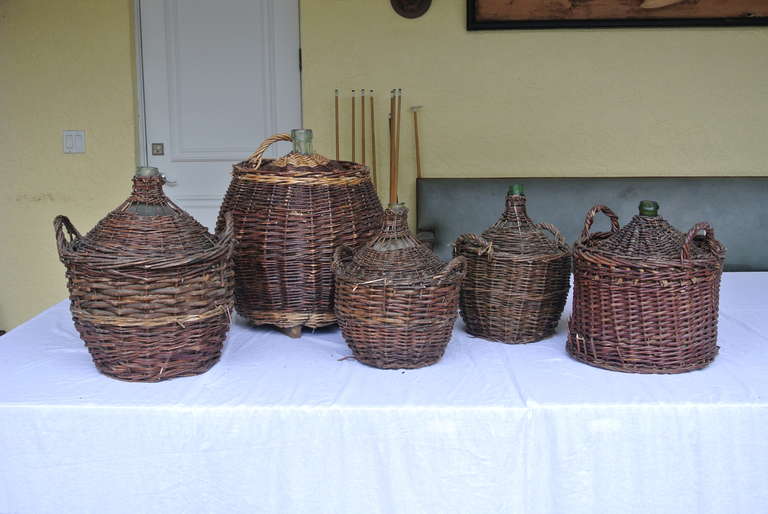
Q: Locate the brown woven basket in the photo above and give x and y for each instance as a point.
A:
(646, 295)
(289, 215)
(150, 288)
(517, 278)
(396, 301)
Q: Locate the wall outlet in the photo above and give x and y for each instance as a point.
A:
(74, 141)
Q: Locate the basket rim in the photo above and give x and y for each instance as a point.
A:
(581, 251)
(473, 245)
(74, 252)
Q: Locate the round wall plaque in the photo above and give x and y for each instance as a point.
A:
(411, 8)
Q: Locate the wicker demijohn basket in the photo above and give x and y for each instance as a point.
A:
(289, 216)
(396, 301)
(517, 278)
(646, 295)
(150, 288)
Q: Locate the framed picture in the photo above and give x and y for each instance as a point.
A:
(541, 14)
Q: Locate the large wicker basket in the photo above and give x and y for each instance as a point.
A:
(645, 295)
(150, 288)
(517, 278)
(289, 216)
(396, 301)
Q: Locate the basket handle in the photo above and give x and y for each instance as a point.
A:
(709, 234)
(471, 240)
(590, 218)
(456, 262)
(552, 230)
(258, 156)
(65, 240)
(339, 254)
(227, 236)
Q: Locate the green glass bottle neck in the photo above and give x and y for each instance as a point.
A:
(302, 141)
(648, 208)
(516, 189)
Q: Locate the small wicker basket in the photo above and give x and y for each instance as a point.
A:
(289, 216)
(396, 301)
(646, 295)
(517, 278)
(150, 288)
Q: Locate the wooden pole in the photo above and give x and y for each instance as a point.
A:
(392, 172)
(397, 134)
(415, 109)
(353, 125)
(336, 108)
(373, 139)
(362, 125)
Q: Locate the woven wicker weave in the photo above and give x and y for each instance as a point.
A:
(517, 278)
(289, 215)
(150, 288)
(646, 295)
(396, 301)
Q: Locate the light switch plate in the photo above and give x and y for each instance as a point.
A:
(74, 141)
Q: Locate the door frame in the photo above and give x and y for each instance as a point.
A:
(142, 155)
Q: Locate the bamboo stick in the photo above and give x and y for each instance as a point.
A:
(415, 109)
(336, 108)
(397, 134)
(362, 125)
(373, 139)
(392, 172)
(353, 125)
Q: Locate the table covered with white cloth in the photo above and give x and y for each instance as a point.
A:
(282, 425)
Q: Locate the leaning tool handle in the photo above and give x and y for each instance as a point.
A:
(709, 236)
(65, 241)
(258, 156)
(590, 218)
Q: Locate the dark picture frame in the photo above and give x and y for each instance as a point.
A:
(473, 23)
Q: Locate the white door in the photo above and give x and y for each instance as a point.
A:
(218, 77)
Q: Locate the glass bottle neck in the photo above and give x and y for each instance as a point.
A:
(302, 141)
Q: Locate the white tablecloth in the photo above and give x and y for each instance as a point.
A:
(282, 425)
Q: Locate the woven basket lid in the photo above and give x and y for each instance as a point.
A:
(649, 237)
(515, 233)
(301, 165)
(394, 255)
(147, 224)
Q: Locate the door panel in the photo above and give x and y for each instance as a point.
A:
(219, 77)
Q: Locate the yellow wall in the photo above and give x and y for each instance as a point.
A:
(549, 103)
(63, 65)
(635, 102)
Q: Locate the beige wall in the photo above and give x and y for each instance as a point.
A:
(550, 103)
(634, 102)
(64, 65)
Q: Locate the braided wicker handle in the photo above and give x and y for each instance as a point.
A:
(591, 218)
(472, 243)
(552, 230)
(227, 236)
(456, 262)
(339, 255)
(709, 233)
(65, 241)
(258, 156)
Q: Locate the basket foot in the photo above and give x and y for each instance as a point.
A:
(294, 332)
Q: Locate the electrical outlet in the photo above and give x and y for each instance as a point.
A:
(74, 141)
